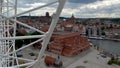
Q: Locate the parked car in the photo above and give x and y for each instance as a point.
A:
(51, 61)
(19, 54)
(31, 54)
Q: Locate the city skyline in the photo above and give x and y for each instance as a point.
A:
(80, 8)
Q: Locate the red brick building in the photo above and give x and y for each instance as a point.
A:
(68, 44)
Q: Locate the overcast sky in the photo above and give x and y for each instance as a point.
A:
(80, 8)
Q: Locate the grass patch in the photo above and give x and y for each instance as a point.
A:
(114, 61)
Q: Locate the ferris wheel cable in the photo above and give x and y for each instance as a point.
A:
(25, 25)
(9, 29)
(11, 2)
(29, 60)
(22, 58)
(22, 37)
(9, 49)
(51, 29)
(30, 66)
(39, 7)
(24, 47)
(14, 33)
(26, 64)
(6, 6)
(28, 26)
(6, 25)
(7, 11)
(47, 34)
(15, 24)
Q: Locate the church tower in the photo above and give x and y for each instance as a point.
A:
(47, 14)
(72, 19)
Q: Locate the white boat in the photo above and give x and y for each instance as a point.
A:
(96, 38)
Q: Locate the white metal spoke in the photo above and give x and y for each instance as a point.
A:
(25, 46)
(22, 59)
(20, 23)
(39, 7)
(22, 37)
(7, 39)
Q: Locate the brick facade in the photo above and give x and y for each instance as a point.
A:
(68, 44)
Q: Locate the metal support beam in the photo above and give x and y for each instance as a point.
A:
(22, 37)
(7, 41)
(50, 31)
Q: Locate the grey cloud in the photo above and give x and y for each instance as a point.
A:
(82, 1)
(105, 10)
(108, 9)
(77, 4)
(22, 3)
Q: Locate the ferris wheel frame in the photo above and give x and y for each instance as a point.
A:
(6, 39)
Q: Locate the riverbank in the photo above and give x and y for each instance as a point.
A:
(112, 39)
(100, 38)
(102, 51)
(108, 46)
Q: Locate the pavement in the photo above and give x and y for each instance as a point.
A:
(94, 60)
(89, 59)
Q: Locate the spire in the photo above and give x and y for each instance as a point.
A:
(72, 19)
(29, 14)
(47, 14)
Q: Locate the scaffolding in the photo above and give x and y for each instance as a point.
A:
(8, 22)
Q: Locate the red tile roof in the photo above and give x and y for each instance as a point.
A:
(68, 44)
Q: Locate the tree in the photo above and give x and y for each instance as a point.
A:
(103, 33)
(27, 41)
(35, 33)
(102, 28)
(111, 26)
(98, 32)
(102, 23)
(84, 23)
(77, 22)
(19, 43)
(86, 32)
(97, 23)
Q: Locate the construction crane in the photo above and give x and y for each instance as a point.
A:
(8, 21)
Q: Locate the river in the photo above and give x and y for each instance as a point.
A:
(112, 47)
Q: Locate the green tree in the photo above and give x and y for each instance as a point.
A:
(111, 26)
(102, 28)
(19, 42)
(77, 22)
(97, 23)
(103, 33)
